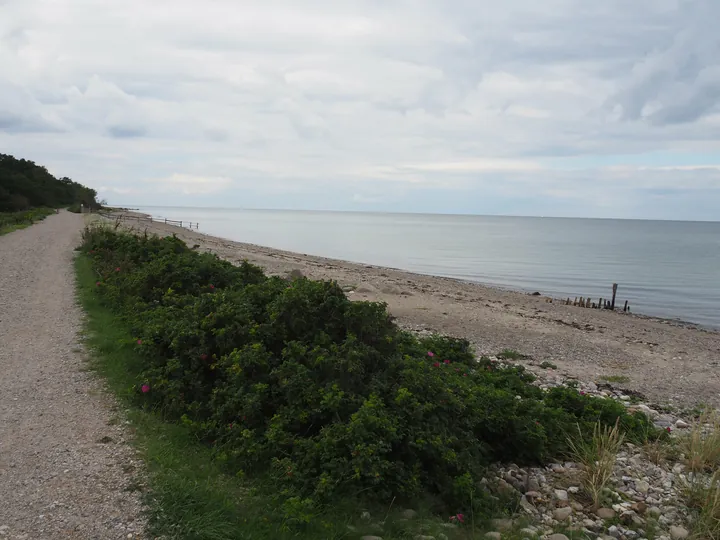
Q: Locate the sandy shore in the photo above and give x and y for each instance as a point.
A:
(669, 362)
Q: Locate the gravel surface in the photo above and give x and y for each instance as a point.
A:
(64, 466)
(670, 362)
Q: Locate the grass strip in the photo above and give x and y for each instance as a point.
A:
(14, 221)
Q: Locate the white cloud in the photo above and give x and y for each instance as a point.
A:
(390, 105)
(192, 185)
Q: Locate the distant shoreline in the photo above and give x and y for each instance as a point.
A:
(556, 299)
(668, 360)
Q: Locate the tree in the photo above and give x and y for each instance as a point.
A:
(23, 184)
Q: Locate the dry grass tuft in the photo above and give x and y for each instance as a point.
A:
(597, 456)
(702, 445)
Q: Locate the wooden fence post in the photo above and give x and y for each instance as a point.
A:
(612, 303)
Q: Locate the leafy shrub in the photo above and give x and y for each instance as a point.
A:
(328, 396)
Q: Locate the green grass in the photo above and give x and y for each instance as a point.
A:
(509, 354)
(548, 365)
(188, 493)
(616, 378)
(14, 221)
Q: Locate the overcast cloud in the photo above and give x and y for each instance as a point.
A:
(560, 107)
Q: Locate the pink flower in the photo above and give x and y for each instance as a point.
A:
(464, 374)
(212, 286)
(139, 341)
(203, 356)
(436, 364)
(582, 393)
(145, 388)
(97, 284)
(668, 429)
(458, 517)
(446, 361)
(431, 354)
(117, 269)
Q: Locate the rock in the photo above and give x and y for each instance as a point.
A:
(614, 531)
(654, 511)
(296, 274)
(605, 513)
(573, 489)
(423, 537)
(527, 531)
(650, 413)
(502, 524)
(365, 516)
(376, 528)
(493, 535)
(557, 536)
(533, 484)
(506, 488)
(678, 533)
(561, 495)
(639, 507)
(642, 486)
(409, 514)
(527, 505)
(4, 530)
(576, 506)
(366, 288)
(681, 424)
(371, 538)
(561, 514)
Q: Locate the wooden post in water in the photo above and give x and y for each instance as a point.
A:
(612, 304)
(626, 307)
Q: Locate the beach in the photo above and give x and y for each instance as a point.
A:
(668, 362)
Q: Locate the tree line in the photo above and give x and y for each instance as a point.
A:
(24, 185)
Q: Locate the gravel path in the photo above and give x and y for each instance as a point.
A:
(64, 466)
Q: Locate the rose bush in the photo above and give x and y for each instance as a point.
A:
(329, 396)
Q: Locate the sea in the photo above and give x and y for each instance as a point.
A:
(668, 269)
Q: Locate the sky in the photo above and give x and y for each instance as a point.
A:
(520, 107)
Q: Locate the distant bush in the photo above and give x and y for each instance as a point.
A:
(75, 208)
(328, 396)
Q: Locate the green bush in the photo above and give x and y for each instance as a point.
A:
(328, 396)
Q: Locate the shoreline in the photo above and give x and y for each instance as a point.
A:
(668, 360)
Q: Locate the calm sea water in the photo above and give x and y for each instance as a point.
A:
(664, 268)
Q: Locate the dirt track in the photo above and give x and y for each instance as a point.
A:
(57, 480)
